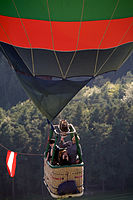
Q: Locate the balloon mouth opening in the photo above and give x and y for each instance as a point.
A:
(53, 78)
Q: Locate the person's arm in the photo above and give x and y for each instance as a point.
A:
(63, 144)
(47, 156)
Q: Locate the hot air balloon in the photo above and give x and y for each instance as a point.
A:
(56, 46)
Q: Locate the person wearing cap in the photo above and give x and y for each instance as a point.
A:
(51, 151)
(71, 148)
(64, 127)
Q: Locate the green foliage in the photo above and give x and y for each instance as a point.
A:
(103, 117)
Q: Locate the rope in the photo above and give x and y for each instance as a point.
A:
(77, 41)
(115, 48)
(5, 33)
(32, 58)
(10, 42)
(64, 76)
(27, 154)
(2, 47)
(4, 147)
(104, 36)
(7, 58)
(58, 62)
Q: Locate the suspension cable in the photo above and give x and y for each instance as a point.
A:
(104, 36)
(32, 57)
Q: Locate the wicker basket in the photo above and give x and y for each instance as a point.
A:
(64, 181)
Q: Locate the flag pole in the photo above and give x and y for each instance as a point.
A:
(13, 193)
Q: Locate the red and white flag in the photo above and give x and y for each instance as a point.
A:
(11, 162)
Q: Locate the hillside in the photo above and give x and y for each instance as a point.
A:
(102, 116)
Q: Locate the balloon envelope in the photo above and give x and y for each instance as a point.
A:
(50, 42)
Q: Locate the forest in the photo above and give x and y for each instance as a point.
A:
(102, 116)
